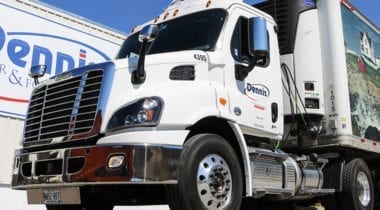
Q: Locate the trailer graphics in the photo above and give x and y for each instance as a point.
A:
(19, 47)
(60, 44)
(363, 66)
(21, 50)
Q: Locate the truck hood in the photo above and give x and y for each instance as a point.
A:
(159, 69)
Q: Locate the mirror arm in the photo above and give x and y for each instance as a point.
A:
(242, 69)
(139, 75)
(36, 81)
(37, 72)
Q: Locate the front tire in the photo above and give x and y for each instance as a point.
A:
(209, 176)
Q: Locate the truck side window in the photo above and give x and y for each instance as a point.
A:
(240, 42)
(131, 47)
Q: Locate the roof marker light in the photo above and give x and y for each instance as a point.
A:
(156, 20)
(175, 13)
(166, 16)
(208, 4)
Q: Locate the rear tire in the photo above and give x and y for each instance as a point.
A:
(209, 176)
(358, 189)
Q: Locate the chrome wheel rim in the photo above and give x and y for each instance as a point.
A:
(364, 191)
(214, 182)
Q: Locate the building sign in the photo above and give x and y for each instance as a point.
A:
(28, 40)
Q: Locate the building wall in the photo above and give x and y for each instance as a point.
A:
(10, 135)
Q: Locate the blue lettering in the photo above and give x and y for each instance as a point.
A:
(2, 69)
(38, 53)
(29, 83)
(61, 60)
(21, 54)
(249, 87)
(17, 50)
(258, 89)
(2, 38)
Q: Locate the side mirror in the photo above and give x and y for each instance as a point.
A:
(258, 37)
(148, 33)
(37, 72)
(258, 47)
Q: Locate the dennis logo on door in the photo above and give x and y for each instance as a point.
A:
(256, 90)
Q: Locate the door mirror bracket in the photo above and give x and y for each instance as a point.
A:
(147, 34)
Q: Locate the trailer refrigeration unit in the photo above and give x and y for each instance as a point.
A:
(33, 33)
(215, 105)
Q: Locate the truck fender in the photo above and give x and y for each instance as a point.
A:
(244, 156)
(335, 173)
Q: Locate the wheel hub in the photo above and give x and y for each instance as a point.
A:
(364, 191)
(214, 182)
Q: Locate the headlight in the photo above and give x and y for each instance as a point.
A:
(144, 112)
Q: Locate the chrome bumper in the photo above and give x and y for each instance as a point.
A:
(143, 164)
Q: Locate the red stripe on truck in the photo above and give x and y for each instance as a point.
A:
(13, 99)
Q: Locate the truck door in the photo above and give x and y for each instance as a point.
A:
(255, 100)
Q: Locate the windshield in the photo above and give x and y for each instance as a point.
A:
(198, 31)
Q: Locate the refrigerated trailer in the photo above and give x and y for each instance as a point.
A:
(215, 105)
(34, 33)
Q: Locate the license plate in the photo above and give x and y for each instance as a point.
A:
(52, 196)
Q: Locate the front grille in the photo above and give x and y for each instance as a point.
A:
(63, 108)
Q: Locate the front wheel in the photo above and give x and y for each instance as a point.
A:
(209, 176)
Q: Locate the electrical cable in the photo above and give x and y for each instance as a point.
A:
(286, 68)
(294, 107)
(287, 88)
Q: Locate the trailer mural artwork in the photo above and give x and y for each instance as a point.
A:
(363, 66)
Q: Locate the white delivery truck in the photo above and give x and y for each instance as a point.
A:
(34, 33)
(215, 105)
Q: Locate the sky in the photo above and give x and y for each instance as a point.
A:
(123, 15)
